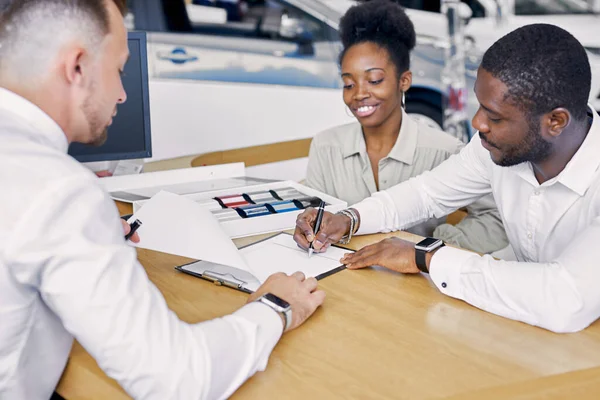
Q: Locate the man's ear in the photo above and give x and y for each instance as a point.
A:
(556, 121)
(405, 81)
(74, 66)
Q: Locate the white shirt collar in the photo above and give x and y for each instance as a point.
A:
(43, 128)
(403, 150)
(579, 172)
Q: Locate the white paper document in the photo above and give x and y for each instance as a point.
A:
(281, 254)
(177, 225)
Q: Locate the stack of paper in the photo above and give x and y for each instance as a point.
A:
(177, 225)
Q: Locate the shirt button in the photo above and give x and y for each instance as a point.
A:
(444, 285)
(537, 192)
(529, 235)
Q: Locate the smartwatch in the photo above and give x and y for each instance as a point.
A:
(279, 305)
(425, 246)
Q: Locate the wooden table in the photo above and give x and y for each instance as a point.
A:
(379, 335)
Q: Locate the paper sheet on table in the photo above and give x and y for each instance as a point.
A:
(281, 254)
(177, 225)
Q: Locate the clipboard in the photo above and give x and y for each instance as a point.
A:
(236, 278)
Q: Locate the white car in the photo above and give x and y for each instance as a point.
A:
(484, 27)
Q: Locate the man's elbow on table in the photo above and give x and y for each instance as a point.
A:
(566, 323)
(572, 316)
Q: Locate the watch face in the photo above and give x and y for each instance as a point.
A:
(427, 242)
(277, 300)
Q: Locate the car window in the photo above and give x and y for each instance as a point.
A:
(262, 19)
(435, 6)
(550, 7)
(318, 30)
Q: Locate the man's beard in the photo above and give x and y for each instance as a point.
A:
(533, 148)
(98, 129)
(100, 140)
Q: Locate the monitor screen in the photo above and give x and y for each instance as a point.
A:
(129, 134)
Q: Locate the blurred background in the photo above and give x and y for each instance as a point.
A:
(232, 74)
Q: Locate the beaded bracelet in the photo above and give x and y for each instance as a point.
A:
(353, 222)
(355, 217)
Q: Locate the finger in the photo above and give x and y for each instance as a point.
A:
(275, 276)
(363, 262)
(305, 229)
(321, 240)
(299, 276)
(311, 284)
(126, 227)
(304, 223)
(351, 257)
(354, 261)
(135, 238)
(103, 174)
(323, 248)
(300, 239)
(317, 298)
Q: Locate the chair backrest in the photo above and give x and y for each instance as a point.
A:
(257, 155)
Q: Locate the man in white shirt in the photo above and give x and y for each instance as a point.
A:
(65, 268)
(537, 152)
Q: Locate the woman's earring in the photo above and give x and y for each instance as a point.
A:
(348, 112)
(403, 100)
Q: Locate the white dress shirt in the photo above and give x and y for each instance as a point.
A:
(66, 271)
(554, 230)
(339, 165)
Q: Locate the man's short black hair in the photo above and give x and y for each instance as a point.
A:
(384, 23)
(544, 67)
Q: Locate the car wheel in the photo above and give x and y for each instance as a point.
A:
(426, 113)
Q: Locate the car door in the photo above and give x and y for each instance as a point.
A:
(275, 43)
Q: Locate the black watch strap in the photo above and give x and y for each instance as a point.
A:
(420, 259)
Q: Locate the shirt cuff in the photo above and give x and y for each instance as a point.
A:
(370, 210)
(269, 325)
(445, 270)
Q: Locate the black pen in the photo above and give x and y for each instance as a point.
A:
(133, 227)
(320, 211)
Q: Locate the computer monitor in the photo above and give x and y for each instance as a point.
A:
(129, 134)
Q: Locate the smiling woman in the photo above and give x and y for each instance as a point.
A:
(386, 146)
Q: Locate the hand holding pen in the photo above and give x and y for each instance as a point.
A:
(130, 230)
(331, 229)
(318, 221)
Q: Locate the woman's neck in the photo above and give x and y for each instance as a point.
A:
(383, 137)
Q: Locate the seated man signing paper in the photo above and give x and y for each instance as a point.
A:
(537, 152)
(65, 269)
